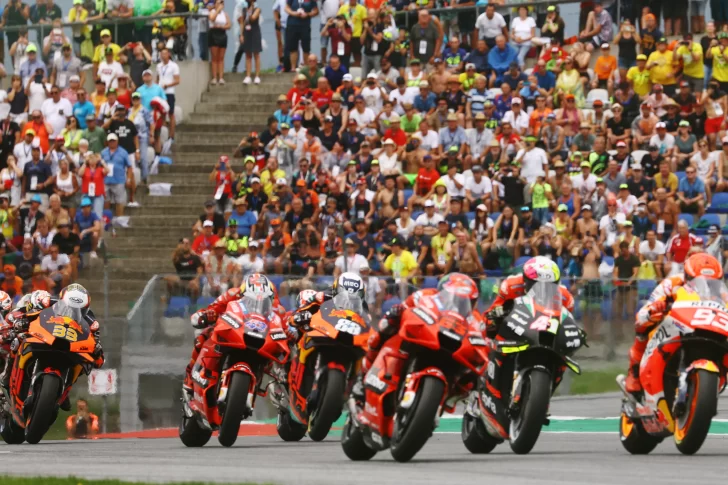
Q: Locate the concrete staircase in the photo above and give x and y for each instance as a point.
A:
(221, 119)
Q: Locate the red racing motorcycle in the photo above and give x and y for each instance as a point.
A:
(228, 374)
(420, 373)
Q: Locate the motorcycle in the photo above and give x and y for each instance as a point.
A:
(682, 372)
(420, 373)
(55, 350)
(246, 339)
(534, 346)
(324, 366)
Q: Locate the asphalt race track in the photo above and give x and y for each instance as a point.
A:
(578, 458)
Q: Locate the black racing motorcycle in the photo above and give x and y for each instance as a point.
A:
(535, 341)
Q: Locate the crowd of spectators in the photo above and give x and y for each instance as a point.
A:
(70, 160)
(408, 153)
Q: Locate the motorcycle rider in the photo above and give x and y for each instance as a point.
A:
(254, 285)
(654, 312)
(345, 283)
(536, 269)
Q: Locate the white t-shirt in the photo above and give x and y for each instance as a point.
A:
(329, 8)
(665, 144)
(37, 96)
(109, 73)
(490, 28)
(452, 190)
(606, 222)
(704, 165)
(398, 99)
(423, 220)
(247, 266)
(166, 73)
(532, 163)
(387, 163)
(51, 265)
(372, 289)
(651, 254)
(23, 154)
(353, 263)
(363, 119)
(430, 141)
(520, 122)
(476, 189)
(55, 113)
(584, 187)
(522, 28)
(405, 232)
(628, 205)
(373, 98)
(482, 231)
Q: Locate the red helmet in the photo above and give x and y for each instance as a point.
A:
(460, 285)
(704, 265)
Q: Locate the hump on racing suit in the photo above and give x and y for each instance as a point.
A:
(346, 283)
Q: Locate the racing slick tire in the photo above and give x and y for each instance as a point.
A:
(535, 396)
(235, 408)
(330, 404)
(692, 427)
(414, 427)
(475, 437)
(45, 408)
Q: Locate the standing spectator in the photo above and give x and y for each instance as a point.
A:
(15, 14)
(219, 24)
(32, 66)
(69, 244)
(109, 70)
(9, 137)
(626, 265)
(329, 15)
(652, 255)
(120, 173)
(425, 38)
(66, 66)
(298, 27)
(55, 110)
(168, 77)
(45, 12)
(139, 61)
(18, 101)
(57, 265)
(356, 15)
(251, 41)
(219, 271)
(523, 29)
(491, 24)
(92, 173)
(36, 179)
(94, 134)
(661, 64)
(150, 90)
(54, 41)
(339, 31)
(142, 120)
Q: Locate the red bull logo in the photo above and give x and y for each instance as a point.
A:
(68, 322)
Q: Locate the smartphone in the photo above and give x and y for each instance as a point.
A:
(38, 78)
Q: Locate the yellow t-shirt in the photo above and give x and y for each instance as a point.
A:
(269, 181)
(401, 266)
(691, 67)
(640, 80)
(467, 82)
(720, 64)
(664, 71)
(670, 184)
(356, 19)
(442, 246)
(100, 52)
(74, 16)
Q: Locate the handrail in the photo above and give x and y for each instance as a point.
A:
(499, 8)
(108, 22)
(147, 289)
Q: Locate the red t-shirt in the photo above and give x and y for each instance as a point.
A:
(204, 243)
(322, 99)
(400, 137)
(679, 246)
(295, 95)
(425, 179)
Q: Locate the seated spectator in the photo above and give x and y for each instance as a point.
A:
(26, 260)
(275, 248)
(400, 264)
(351, 261)
(716, 245)
(11, 284)
(691, 193)
(678, 247)
(69, 244)
(41, 282)
(501, 56)
(88, 227)
(652, 256)
(604, 69)
(206, 240)
(57, 266)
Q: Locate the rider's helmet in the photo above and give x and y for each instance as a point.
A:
(23, 302)
(39, 300)
(460, 285)
(305, 297)
(540, 269)
(349, 283)
(75, 296)
(703, 265)
(6, 304)
(257, 285)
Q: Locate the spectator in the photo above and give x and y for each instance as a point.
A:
(219, 24)
(88, 227)
(93, 173)
(69, 244)
(219, 271)
(425, 38)
(12, 284)
(652, 255)
(716, 244)
(57, 266)
(251, 262)
(678, 247)
(491, 24)
(501, 57)
(55, 111)
(189, 268)
(275, 249)
(168, 76)
(109, 70)
(626, 265)
(691, 193)
(400, 264)
(32, 67)
(149, 90)
(298, 27)
(94, 134)
(523, 29)
(55, 212)
(120, 173)
(598, 28)
(352, 261)
(206, 240)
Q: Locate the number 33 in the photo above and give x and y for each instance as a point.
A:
(67, 333)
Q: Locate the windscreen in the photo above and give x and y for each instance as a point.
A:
(61, 309)
(547, 296)
(349, 301)
(257, 304)
(709, 289)
(452, 302)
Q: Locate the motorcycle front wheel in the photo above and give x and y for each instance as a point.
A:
(414, 426)
(44, 411)
(692, 427)
(329, 406)
(475, 437)
(352, 442)
(191, 433)
(11, 433)
(288, 429)
(235, 406)
(526, 427)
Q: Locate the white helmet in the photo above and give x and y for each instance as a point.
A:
(305, 297)
(23, 302)
(349, 283)
(39, 300)
(75, 296)
(6, 303)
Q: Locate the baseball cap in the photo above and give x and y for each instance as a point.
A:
(621, 144)
(605, 45)
(724, 140)
(255, 180)
(281, 181)
(623, 187)
(275, 222)
(559, 163)
(371, 75)
(477, 168)
(598, 102)
(585, 164)
(424, 84)
(713, 229)
(105, 32)
(111, 137)
(429, 203)
(31, 48)
(254, 244)
(641, 57)
(347, 77)
(525, 208)
(85, 202)
(136, 95)
(684, 123)
(469, 65)
(516, 101)
(660, 125)
(563, 208)
(636, 166)
(146, 71)
(586, 207)
(207, 224)
(452, 117)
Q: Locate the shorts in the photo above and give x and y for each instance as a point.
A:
(298, 35)
(719, 8)
(217, 38)
(602, 83)
(626, 62)
(712, 125)
(170, 102)
(670, 89)
(674, 9)
(116, 193)
(689, 208)
(356, 45)
(225, 205)
(696, 84)
(723, 85)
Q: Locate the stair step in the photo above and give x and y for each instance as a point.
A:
(254, 113)
(242, 97)
(268, 88)
(184, 179)
(142, 231)
(149, 264)
(233, 120)
(197, 169)
(163, 210)
(116, 285)
(226, 137)
(175, 199)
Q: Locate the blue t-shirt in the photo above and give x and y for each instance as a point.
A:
(298, 22)
(119, 160)
(547, 80)
(81, 111)
(148, 93)
(691, 190)
(283, 118)
(453, 59)
(84, 222)
(245, 221)
(335, 77)
(423, 105)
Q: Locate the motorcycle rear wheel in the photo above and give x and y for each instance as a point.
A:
(352, 442)
(692, 428)
(535, 396)
(288, 428)
(330, 404)
(191, 433)
(634, 438)
(44, 410)
(11, 433)
(475, 437)
(236, 403)
(409, 438)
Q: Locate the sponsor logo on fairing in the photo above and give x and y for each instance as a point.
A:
(230, 321)
(487, 402)
(278, 336)
(570, 334)
(573, 343)
(373, 381)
